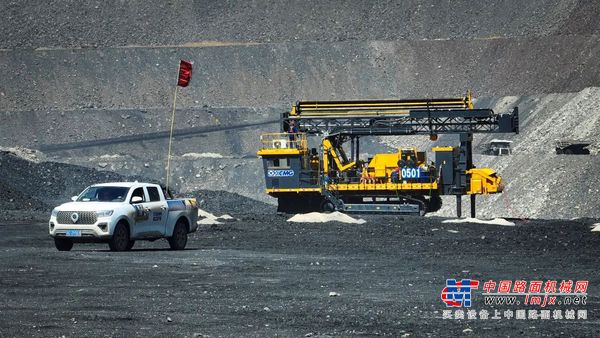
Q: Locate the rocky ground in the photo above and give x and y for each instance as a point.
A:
(262, 276)
(259, 275)
(85, 97)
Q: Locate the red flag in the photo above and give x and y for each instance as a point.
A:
(185, 73)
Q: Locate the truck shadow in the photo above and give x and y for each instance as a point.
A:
(135, 250)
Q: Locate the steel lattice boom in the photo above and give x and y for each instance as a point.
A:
(410, 122)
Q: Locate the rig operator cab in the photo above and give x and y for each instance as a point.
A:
(307, 169)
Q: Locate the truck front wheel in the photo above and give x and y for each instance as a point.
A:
(120, 239)
(63, 244)
(179, 238)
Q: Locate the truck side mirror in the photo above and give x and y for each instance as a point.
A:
(136, 199)
(74, 198)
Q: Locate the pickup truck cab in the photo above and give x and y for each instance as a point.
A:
(121, 213)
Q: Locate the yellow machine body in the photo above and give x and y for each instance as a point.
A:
(484, 181)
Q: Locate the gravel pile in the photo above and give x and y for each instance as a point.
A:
(230, 203)
(538, 182)
(14, 199)
(30, 189)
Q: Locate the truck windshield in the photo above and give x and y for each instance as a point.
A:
(103, 194)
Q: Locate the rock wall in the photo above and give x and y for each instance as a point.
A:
(92, 84)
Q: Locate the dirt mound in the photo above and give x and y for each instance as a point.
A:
(227, 202)
(13, 199)
(36, 187)
(31, 189)
(318, 217)
(538, 182)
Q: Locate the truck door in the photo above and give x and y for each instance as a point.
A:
(146, 225)
(158, 210)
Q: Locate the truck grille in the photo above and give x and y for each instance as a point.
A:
(84, 217)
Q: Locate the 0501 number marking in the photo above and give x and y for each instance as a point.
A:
(411, 173)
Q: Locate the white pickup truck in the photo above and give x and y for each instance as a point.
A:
(121, 213)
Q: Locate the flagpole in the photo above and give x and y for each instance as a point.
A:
(171, 138)
(184, 75)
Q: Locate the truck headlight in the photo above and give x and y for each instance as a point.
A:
(54, 213)
(104, 213)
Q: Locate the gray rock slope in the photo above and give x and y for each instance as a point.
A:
(92, 84)
(96, 24)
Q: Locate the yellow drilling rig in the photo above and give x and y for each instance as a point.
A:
(323, 177)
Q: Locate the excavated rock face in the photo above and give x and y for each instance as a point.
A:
(93, 24)
(31, 187)
(92, 84)
(538, 182)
